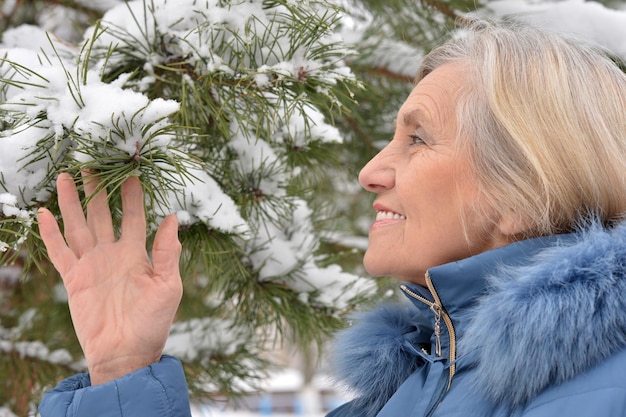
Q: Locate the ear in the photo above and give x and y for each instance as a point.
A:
(512, 224)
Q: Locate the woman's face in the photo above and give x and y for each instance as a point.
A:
(424, 187)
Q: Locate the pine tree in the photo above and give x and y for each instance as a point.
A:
(249, 119)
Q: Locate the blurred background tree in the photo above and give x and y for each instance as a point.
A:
(249, 119)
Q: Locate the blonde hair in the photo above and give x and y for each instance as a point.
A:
(543, 120)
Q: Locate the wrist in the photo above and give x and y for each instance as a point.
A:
(112, 369)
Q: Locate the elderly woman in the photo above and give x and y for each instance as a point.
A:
(500, 205)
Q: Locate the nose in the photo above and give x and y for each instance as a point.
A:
(378, 174)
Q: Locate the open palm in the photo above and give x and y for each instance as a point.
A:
(122, 304)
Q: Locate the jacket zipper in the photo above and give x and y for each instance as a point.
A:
(437, 308)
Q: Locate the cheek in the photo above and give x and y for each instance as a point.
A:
(431, 197)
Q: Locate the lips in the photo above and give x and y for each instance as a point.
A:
(385, 213)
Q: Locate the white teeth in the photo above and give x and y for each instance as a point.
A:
(388, 215)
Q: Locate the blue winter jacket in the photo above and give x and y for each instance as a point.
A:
(533, 329)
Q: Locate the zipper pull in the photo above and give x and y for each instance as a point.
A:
(437, 312)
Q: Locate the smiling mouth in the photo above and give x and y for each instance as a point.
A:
(389, 215)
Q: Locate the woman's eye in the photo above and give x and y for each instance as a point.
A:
(416, 139)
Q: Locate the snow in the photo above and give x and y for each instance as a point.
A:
(587, 19)
(9, 275)
(102, 5)
(55, 20)
(255, 157)
(6, 412)
(193, 339)
(8, 204)
(282, 389)
(36, 350)
(202, 200)
(30, 349)
(396, 57)
(20, 180)
(7, 6)
(337, 288)
(34, 38)
(309, 124)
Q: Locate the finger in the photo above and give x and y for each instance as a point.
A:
(98, 213)
(77, 234)
(60, 255)
(166, 250)
(133, 215)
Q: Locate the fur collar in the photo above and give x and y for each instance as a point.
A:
(563, 312)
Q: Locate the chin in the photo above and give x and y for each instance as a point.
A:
(374, 268)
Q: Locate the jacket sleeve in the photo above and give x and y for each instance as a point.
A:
(159, 390)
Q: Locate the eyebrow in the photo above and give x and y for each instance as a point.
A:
(412, 118)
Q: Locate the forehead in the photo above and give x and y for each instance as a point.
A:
(434, 98)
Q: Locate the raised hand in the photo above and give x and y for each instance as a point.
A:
(122, 304)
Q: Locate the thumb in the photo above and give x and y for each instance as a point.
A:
(166, 249)
(60, 255)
